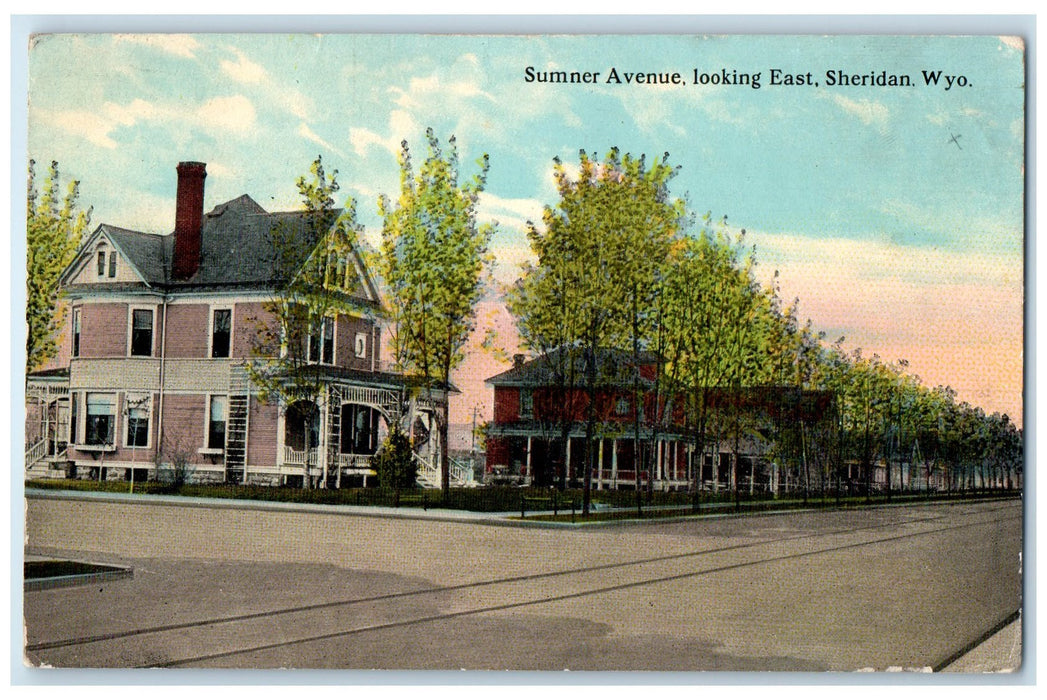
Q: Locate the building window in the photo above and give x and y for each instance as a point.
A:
(101, 419)
(112, 264)
(361, 345)
(526, 403)
(76, 332)
(216, 423)
(101, 263)
(221, 328)
(137, 411)
(621, 406)
(321, 343)
(74, 402)
(142, 332)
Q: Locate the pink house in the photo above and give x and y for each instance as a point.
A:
(160, 331)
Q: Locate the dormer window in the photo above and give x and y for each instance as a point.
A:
(101, 263)
(112, 263)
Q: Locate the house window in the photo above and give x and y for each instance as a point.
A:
(221, 327)
(321, 343)
(101, 263)
(216, 423)
(621, 406)
(101, 419)
(526, 403)
(76, 332)
(112, 264)
(137, 412)
(361, 345)
(142, 332)
(74, 402)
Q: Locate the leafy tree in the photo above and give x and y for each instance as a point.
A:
(394, 463)
(600, 253)
(433, 258)
(54, 229)
(313, 252)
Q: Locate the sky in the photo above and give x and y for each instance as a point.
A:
(894, 214)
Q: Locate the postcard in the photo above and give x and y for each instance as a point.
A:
(631, 352)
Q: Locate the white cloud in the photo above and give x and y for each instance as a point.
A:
(307, 133)
(233, 114)
(88, 125)
(508, 211)
(130, 114)
(868, 111)
(401, 126)
(182, 45)
(243, 70)
(229, 114)
(362, 139)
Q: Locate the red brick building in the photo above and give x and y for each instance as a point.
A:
(160, 329)
(541, 410)
(540, 416)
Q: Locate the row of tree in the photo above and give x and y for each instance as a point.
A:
(622, 266)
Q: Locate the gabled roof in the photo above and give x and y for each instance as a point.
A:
(147, 253)
(236, 250)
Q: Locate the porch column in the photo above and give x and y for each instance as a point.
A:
(528, 458)
(47, 427)
(567, 460)
(614, 463)
(674, 461)
(599, 468)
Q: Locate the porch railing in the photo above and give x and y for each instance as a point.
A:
(35, 453)
(354, 461)
(300, 457)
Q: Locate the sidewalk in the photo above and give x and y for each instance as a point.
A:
(1000, 653)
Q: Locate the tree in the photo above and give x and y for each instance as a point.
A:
(394, 463)
(312, 258)
(54, 229)
(432, 260)
(600, 253)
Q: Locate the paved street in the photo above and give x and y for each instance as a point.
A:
(220, 587)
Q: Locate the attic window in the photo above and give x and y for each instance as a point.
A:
(101, 263)
(112, 264)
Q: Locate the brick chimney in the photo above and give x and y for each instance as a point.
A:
(189, 216)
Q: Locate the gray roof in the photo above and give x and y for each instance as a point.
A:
(237, 249)
(614, 368)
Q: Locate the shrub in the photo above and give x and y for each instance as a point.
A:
(394, 463)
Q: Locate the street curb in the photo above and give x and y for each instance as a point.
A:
(43, 584)
(498, 519)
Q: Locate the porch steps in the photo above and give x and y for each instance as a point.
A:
(237, 424)
(460, 474)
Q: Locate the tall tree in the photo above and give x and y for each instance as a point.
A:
(54, 228)
(313, 259)
(433, 260)
(600, 252)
